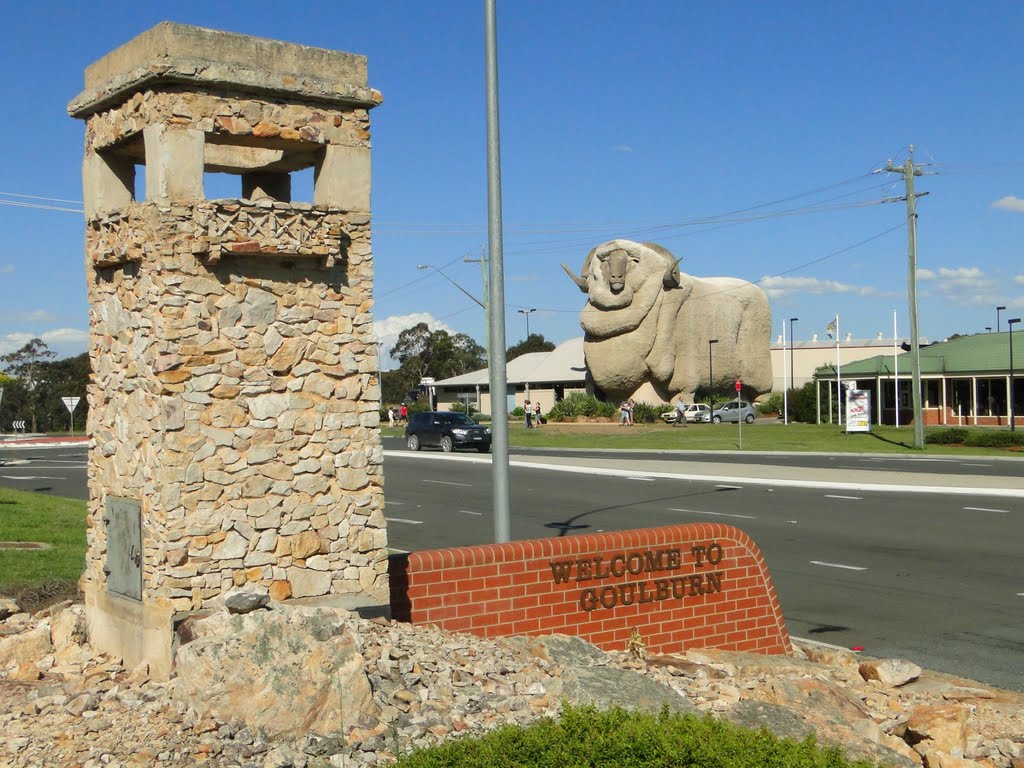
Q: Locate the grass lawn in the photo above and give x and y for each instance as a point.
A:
(50, 519)
(762, 435)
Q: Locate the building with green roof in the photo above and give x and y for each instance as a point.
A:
(964, 382)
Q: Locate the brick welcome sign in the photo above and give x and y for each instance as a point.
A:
(680, 586)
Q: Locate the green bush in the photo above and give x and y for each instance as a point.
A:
(648, 413)
(580, 404)
(803, 404)
(587, 737)
(951, 436)
(517, 413)
(772, 405)
(988, 439)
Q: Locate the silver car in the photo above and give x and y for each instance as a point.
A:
(733, 411)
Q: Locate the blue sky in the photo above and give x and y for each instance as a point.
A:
(648, 121)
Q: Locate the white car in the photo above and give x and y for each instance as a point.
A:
(693, 412)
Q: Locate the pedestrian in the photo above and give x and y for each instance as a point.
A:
(624, 413)
(681, 413)
(537, 418)
(629, 411)
(391, 417)
(404, 412)
(528, 423)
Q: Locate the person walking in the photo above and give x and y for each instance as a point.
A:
(404, 412)
(538, 420)
(391, 417)
(624, 413)
(681, 413)
(528, 422)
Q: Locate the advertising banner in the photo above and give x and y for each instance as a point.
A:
(858, 410)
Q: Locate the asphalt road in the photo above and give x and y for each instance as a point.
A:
(936, 578)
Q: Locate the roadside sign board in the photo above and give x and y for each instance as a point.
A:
(71, 403)
(739, 385)
(858, 410)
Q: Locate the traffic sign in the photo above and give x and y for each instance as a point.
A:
(738, 385)
(71, 403)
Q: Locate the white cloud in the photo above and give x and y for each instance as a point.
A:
(6, 269)
(1019, 279)
(387, 331)
(963, 286)
(27, 316)
(66, 342)
(1009, 203)
(621, 148)
(787, 286)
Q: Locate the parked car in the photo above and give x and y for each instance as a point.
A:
(693, 413)
(446, 429)
(732, 411)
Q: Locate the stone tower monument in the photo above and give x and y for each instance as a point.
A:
(234, 400)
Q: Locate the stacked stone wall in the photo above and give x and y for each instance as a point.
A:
(238, 402)
(227, 113)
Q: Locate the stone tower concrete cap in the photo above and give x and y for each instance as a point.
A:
(179, 53)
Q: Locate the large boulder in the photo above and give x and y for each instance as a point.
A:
(290, 671)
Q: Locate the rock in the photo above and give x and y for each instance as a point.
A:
(27, 646)
(287, 671)
(891, 672)
(606, 687)
(943, 726)
(68, 628)
(8, 607)
(246, 599)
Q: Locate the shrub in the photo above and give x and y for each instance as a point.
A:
(517, 413)
(951, 436)
(585, 736)
(772, 405)
(993, 439)
(647, 413)
(580, 404)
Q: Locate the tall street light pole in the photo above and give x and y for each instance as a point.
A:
(442, 274)
(792, 346)
(1013, 416)
(711, 374)
(501, 491)
(527, 312)
(998, 310)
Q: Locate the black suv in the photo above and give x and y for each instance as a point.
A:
(448, 429)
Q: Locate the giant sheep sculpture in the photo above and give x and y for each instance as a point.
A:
(647, 326)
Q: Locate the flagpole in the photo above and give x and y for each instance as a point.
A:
(839, 376)
(896, 369)
(785, 388)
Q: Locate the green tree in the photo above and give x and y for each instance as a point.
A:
(423, 353)
(28, 366)
(68, 377)
(535, 342)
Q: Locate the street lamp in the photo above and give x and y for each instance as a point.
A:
(998, 310)
(711, 374)
(792, 345)
(1013, 416)
(527, 312)
(442, 274)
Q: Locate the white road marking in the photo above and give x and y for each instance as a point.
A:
(731, 487)
(396, 503)
(985, 509)
(445, 482)
(839, 565)
(403, 520)
(716, 514)
(30, 477)
(836, 496)
(975, 465)
(642, 479)
(793, 522)
(469, 512)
